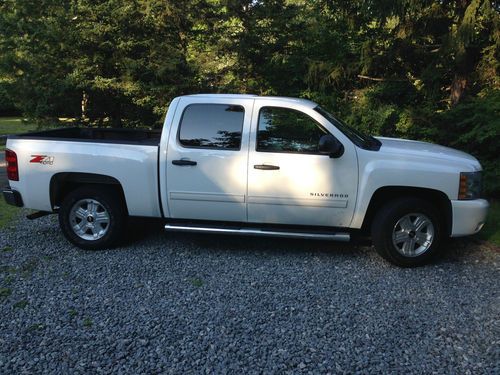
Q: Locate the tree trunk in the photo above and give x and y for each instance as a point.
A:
(85, 103)
(116, 116)
(116, 121)
(466, 54)
(457, 89)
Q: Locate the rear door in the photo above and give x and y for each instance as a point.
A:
(207, 159)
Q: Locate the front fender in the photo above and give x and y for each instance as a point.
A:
(376, 174)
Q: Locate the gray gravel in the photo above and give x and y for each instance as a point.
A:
(178, 303)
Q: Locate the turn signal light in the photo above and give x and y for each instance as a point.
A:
(12, 169)
(470, 185)
(462, 191)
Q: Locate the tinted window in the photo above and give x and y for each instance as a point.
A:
(212, 126)
(287, 130)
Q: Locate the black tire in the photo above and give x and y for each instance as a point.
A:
(109, 203)
(384, 224)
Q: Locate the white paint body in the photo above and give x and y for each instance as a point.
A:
(224, 186)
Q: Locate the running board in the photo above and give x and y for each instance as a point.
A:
(344, 237)
(37, 215)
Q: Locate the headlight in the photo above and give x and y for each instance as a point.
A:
(470, 185)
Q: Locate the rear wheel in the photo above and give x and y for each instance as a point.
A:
(407, 232)
(92, 217)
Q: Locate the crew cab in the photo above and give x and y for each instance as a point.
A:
(250, 165)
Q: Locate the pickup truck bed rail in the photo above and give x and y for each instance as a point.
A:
(106, 135)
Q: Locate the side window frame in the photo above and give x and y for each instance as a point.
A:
(287, 152)
(178, 136)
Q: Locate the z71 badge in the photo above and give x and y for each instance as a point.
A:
(42, 159)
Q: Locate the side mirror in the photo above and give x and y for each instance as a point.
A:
(329, 145)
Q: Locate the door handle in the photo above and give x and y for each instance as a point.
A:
(183, 162)
(266, 167)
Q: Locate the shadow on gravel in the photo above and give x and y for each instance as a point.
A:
(248, 243)
(144, 229)
(455, 250)
(140, 228)
(458, 250)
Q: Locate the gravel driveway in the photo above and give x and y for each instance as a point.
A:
(178, 303)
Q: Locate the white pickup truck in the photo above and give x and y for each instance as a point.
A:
(253, 165)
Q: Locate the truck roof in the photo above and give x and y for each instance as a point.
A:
(305, 102)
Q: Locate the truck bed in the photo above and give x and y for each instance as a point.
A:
(100, 135)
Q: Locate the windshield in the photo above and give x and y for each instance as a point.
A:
(358, 138)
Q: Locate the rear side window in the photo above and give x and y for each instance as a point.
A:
(215, 126)
(287, 130)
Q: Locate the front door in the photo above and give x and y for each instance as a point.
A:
(207, 159)
(289, 181)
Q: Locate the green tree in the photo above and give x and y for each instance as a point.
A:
(420, 69)
(128, 58)
(33, 56)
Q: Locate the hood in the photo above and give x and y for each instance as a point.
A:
(405, 147)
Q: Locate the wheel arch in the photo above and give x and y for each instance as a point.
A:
(61, 184)
(388, 193)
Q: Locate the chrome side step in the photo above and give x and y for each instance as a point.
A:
(344, 237)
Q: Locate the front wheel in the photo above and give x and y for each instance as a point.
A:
(407, 232)
(92, 217)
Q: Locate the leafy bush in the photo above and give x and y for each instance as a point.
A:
(7, 107)
(474, 126)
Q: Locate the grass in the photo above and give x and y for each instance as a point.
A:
(10, 274)
(9, 270)
(5, 292)
(491, 230)
(14, 125)
(9, 279)
(20, 304)
(11, 125)
(35, 327)
(7, 213)
(87, 322)
(29, 266)
(196, 282)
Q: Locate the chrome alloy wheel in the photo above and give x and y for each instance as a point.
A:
(413, 235)
(89, 219)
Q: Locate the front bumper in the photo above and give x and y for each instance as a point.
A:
(468, 216)
(12, 197)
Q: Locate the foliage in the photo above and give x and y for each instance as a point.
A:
(128, 58)
(491, 229)
(406, 68)
(34, 51)
(474, 126)
(7, 107)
